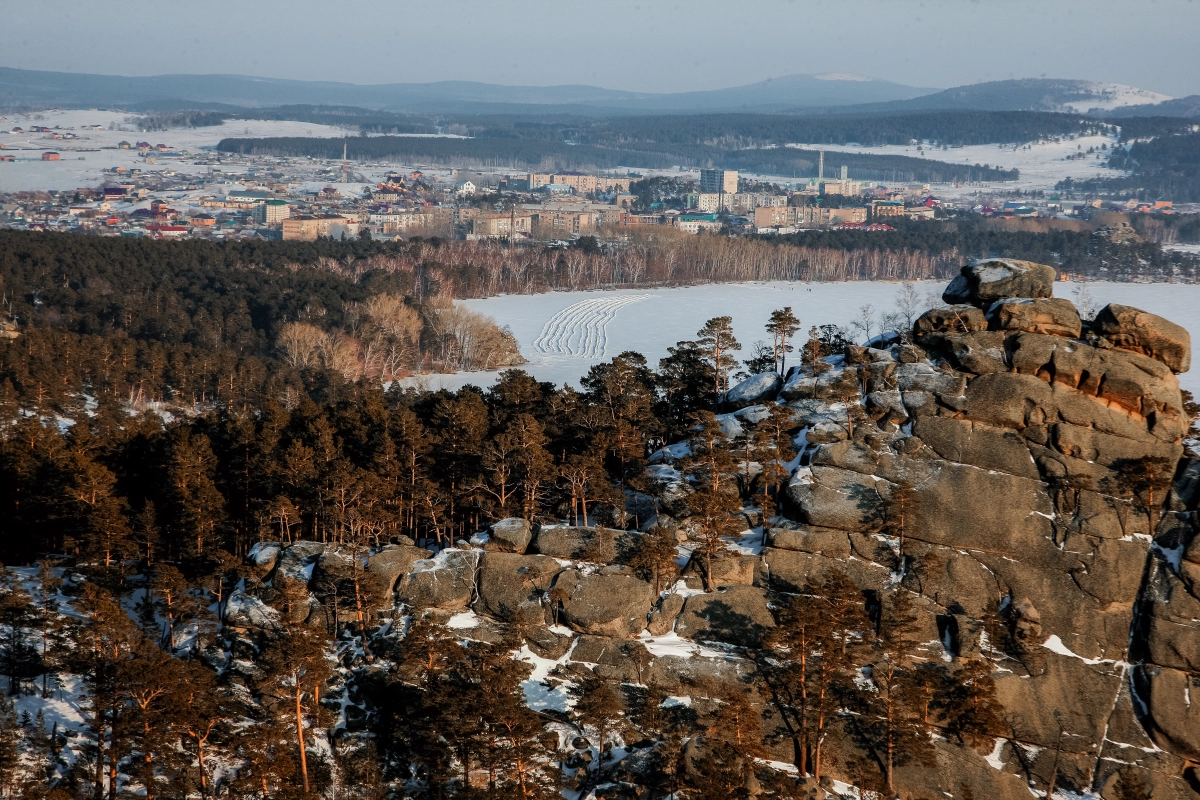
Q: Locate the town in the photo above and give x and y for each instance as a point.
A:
(163, 191)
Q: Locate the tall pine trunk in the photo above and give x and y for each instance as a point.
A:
(300, 736)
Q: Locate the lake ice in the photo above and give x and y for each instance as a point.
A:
(562, 334)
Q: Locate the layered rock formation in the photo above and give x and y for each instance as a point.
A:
(1042, 457)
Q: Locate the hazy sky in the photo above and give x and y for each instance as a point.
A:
(640, 45)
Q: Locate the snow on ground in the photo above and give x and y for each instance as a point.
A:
(675, 645)
(85, 159)
(1183, 248)
(542, 692)
(1041, 164)
(666, 316)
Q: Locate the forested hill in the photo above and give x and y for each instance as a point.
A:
(1165, 166)
(950, 128)
(518, 153)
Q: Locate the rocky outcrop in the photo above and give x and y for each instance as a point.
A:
(1050, 526)
(735, 615)
(512, 586)
(1050, 316)
(600, 545)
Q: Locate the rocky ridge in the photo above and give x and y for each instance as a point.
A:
(1051, 488)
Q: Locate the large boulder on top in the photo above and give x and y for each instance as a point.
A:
(752, 391)
(1149, 334)
(295, 564)
(988, 280)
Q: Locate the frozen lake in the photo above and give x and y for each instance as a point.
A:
(562, 334)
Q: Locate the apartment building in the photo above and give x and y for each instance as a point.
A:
(306, 227)
(272, 212)
(501, 226)
(579, 182)
(719, 181)
(805, 216)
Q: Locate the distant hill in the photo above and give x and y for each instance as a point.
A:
(1179, 107)
(32, 88)
(1025, 94)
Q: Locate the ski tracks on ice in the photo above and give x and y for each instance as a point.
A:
(581, 329)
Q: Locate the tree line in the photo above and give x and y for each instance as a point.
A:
(538, 154)
(195, 322)
(938, 128)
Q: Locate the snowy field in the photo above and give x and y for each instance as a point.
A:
(85, 159)
(1183, 248)
(1042, 164)
(563, 333)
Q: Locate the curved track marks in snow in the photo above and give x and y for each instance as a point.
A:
(581, 329)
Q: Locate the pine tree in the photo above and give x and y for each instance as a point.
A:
(812, 670)
(102, 527)
(19, 659)
(602, 708)
(717, 342)
(655, 557)
(712, 504)
(204, 713)
(10, 746)
(782, 326)
(900, 508)
(103, 640)
(265, 762)
(146, 533)
(170, 591)
(893, 726)
(623, 390)
(151, 682)
(814, 351)
(295, 669)
(581, 473)
(771, 445)
(686, 379)
(197, 505)
(50, 623)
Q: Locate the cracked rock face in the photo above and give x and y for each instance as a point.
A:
(1040, 449)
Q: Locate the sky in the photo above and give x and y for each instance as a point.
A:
(638, 45)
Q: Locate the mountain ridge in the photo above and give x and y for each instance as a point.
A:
(33, 87)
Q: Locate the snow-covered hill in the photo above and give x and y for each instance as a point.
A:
(1107, 96)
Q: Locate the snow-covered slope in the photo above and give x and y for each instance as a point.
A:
(1107, 96)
